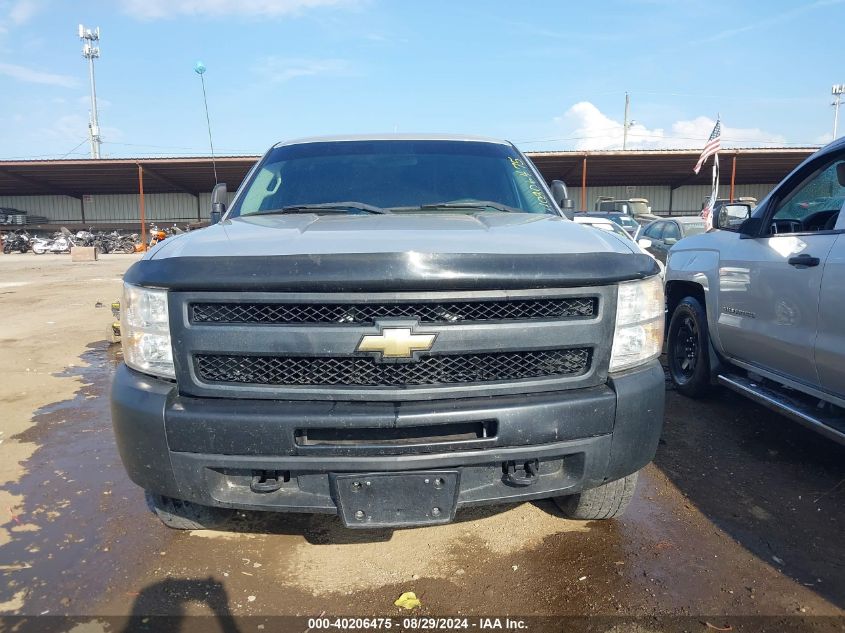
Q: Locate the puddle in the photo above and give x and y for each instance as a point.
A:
(75, 497)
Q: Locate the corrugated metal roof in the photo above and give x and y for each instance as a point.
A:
(194, 174)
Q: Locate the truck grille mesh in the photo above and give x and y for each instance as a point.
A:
(365, 371)
(367, 313)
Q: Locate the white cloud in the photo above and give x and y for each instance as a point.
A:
(23, 10)
(280, 69)
(16, 13)
(592, 129)
(33, 76)
(156, 9)
(69, 128)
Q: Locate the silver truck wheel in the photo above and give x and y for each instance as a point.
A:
(185, 515)
(687, 351)
(605, 502)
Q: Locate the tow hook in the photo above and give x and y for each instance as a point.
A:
(268, 481)
(521, 473)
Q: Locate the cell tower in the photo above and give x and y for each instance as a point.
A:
(91, 51)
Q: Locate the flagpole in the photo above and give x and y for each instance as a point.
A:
(714, 191)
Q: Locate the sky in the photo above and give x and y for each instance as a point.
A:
(545, 74)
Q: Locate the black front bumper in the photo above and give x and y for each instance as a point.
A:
(208, 450)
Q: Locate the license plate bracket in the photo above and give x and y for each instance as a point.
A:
(391, 500)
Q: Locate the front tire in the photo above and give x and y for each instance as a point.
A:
(687, 349)
(608, 501)
(186, 515)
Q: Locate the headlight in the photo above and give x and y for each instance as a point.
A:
(145, 331)
(638, 336)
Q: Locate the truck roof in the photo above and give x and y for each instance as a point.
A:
(392, 137)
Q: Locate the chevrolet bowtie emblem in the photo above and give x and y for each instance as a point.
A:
(396, 342)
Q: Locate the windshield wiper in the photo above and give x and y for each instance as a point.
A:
(469, 204)
(326, 207)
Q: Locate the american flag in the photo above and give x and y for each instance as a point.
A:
(714, 144)
(711, 148)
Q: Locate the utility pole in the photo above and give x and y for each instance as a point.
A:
(836, 91)
(91, 51)
(625, 124)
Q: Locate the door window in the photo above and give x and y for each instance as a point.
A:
(671, 232)
(653, 230)
(814, 204)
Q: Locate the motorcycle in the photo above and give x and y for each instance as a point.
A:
(18, 241)
(59, 243)
(156, 235)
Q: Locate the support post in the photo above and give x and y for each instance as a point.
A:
(142, 207)
(584, 184)
(733, 177)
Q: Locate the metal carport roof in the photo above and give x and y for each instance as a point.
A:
(195, 174)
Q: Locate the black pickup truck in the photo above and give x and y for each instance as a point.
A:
(389, 328)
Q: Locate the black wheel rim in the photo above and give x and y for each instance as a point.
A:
(685, 351)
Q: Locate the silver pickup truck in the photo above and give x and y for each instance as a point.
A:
(758, 305)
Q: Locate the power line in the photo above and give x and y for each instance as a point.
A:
(66, 154)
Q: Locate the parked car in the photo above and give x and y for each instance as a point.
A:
(637, 208)
(664, 234)
(389, 328)
(622, 219)
(757, 305)
(612, 227)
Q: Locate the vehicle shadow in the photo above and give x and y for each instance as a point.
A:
(328, 529)
(775, 487)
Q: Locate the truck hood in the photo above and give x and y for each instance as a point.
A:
(310, 234)
(378, 253)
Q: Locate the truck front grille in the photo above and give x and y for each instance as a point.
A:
(367, 313)
(365, 371)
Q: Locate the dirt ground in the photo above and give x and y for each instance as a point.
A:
(742, 512)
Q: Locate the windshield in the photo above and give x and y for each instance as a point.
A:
(625, 221)
(395, 175)
(610, 227)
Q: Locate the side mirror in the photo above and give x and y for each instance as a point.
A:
(670, 241)
(731, 217)
(219, 198)
(644, 242)
(559, 192)
(561, 197)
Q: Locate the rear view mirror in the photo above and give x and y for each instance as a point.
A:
(644, 242)
(219, 198)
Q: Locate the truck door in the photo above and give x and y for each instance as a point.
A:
(769, 286)
(830, 342)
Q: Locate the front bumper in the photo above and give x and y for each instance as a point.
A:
(208, 450)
